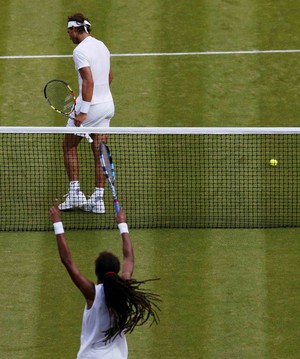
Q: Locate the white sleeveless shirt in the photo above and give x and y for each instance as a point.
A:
(95, 321)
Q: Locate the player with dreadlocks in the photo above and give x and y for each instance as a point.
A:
(116, 304)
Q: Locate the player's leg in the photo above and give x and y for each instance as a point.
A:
(99, 116)
(95, 203)
(75, 198)
(70, 145)
(100, 178)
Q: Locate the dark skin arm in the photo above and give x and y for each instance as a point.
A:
(128, 255)
(86, 286)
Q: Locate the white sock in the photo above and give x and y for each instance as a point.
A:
(99, 192)
(74, 186)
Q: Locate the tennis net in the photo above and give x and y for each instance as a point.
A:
(165, 178)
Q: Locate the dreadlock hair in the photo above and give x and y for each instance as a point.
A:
(128, 304)
(80, 18)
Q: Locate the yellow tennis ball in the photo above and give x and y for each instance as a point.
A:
(273, 162)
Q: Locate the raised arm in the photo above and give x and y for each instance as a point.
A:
(128, 256)
(86, 287)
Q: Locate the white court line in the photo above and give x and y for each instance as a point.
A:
(163, 54)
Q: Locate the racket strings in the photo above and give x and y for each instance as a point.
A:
(107, 162)
(60, 97)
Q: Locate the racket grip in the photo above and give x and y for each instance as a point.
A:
(89, 138)
(117, 205)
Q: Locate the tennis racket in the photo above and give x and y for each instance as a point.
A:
(109, 171)
(61, 98)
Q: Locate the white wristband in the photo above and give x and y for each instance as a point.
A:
(123, 227)
(58, 228)
(85, 106)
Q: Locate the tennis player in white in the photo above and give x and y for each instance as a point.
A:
(115, 304)
(94, 108)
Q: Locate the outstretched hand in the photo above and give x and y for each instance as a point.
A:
(54, 213)
(121, 217)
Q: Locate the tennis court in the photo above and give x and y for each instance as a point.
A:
(227, 293)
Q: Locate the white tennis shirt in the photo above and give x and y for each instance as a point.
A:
(94, 54)
(95, 321)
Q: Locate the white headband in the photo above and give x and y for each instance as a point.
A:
(79, 24)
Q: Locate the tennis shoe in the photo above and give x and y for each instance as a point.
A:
(73, 200)
(95, 204)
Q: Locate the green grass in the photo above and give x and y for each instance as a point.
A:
(215, 90)
(226, 293)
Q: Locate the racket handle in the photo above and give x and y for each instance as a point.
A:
(88, 137)
(117, 205)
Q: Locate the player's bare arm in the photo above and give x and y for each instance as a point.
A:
(128, 255)
(87, 91)
(85, 285)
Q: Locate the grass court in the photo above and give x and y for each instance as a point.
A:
(227, 293)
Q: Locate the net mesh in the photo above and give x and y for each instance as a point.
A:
(162, 180)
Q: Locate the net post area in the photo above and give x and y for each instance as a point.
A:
(165, 177)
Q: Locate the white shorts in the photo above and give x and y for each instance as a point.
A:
(99, 115)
